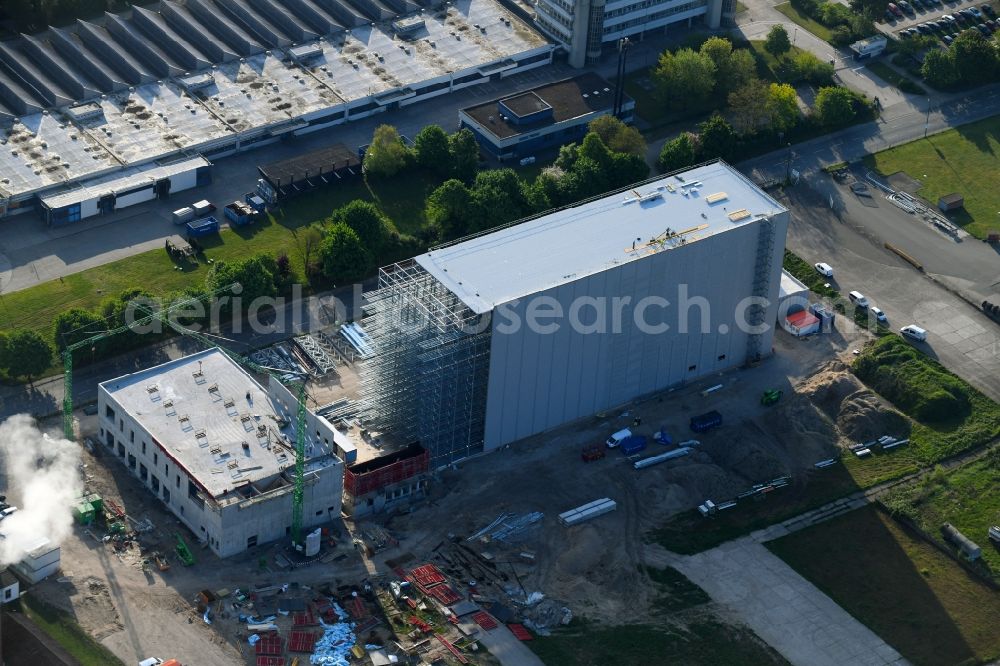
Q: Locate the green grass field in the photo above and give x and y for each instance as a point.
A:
(700, 643)
(966, 497)
(36, 307)
(804, 21)
(891, 76)
(964, 160)
(909, 593)
(64, 630)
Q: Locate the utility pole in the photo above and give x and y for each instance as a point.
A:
(623, 45)
(788, 165)
(927, 118)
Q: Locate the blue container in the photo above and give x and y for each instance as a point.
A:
(633, 444)
(206, 226)
(706, 421)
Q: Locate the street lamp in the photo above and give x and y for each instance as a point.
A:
(927, 118)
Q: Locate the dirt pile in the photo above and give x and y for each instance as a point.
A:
(857, 412)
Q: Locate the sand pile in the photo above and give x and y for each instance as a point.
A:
(863, 417)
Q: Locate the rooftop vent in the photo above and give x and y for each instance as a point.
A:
(169, 407)
(199, 377)
(154, 392)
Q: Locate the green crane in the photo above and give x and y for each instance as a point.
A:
(163, 316)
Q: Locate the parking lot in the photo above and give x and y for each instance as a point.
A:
(924, 12)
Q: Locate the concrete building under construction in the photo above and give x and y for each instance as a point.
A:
(461, 363)
(217, 448)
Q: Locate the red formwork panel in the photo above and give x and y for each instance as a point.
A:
(270, 661)
(520, 633)
(427, 575)
(444, 594)
(304, 618)
(301, 641)
(269, 644)
(485, 620)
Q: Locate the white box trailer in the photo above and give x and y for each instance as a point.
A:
(182, 215)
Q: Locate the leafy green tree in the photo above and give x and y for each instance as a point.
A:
(733, 68)
(74, 325)
(257, 275)
(618, 136)
(939, 69)
(595, 149)
(386, 156)
(464, 151)
(499, 196)
(975, 57)
(366, 220)
(626, 169)
(749, 105)
(430, 147)
(807, 67)
(841, 35)
(343, 256)
(834, 106)
(25, 354)
(783, 106)
(568, 153)
(717, 138)
(677, 153)
(833, 13)
(307, 240)
(588, 178)
(685, 79)
(777, 42)
(449, 208)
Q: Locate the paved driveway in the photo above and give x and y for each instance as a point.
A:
(781, 607)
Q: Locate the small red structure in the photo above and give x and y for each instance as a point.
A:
(268, 645)
(304, 618)
(452, 649)
(592, 453)
(427, 575)
(485, 620)
(444, 594)
(375, 474)
(520, 633)
(301, 641)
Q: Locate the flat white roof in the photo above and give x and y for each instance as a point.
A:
(207, 424)
(122, 181)
(569, 244)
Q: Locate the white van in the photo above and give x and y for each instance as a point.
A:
(618, 438)
(824, 269)
(858, 299)
(915, 332)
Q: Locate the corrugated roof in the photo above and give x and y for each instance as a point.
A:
(569, 244)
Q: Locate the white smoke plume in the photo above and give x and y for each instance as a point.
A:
(42, 474)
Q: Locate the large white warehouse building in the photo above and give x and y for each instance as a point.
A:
(504, 335)
(218, 449)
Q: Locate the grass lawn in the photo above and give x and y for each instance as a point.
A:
(964, 160)
(702, 642)
(63, 629)
(891, 76)
(804, 21)
(36, 307)
(966, 497)
(909, 593)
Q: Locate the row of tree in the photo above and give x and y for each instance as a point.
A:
(971, 60)
(444, 156)
(24, 353)
(758, 110)
(500, 196)
(801, 66)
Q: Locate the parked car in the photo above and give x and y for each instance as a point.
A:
(991, 24)
(858, 299)
(905, 34)
(889, 17)
(906, 7)
(947, 39)
(935, 26)
(914, 332)
(923, 29)
(618, 438)
(975, 12)
(983, 30)
(988, 10)
(896, 11)
(879, 315)
(824, 269)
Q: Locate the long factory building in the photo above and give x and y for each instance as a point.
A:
(99, 115)
(456, 366)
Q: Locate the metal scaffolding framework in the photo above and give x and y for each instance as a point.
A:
(427, 377)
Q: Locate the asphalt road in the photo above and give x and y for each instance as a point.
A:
(959, 335)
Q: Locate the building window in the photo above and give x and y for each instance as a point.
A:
(143, 472)
(166, 494)
(7, 593)
(320, 512)
(252, 541)
(144, 448)
(165, 470)
(121, 425)
(178, 484)
(182, 510)
(109, 413)
(121, 450)
(154, 483)
(722, 357)
(692, 368)
(156, 458)
(131, 436)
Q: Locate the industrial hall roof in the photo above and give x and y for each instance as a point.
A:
(574, 242)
